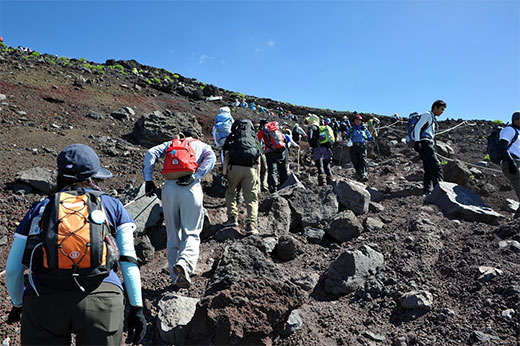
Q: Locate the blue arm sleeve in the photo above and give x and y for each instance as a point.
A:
(14, 270)
(131, 274)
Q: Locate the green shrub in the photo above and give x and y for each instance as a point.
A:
(3, 45)
(82, 60)
(52, 61)
(487, 158)
(149, 82)
(156, 80)
(134, 71)
(35, 54)
(168, 78)
(100, 68)
(444, 163)
(119, 67)
(89, 66)
(62, 58)
(498, 122)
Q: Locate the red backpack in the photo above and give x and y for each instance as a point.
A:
(275, 139)
(180, 157)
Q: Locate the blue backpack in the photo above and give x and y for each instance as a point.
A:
(413, 118)
(223, 122)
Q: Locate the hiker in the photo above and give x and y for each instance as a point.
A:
(273, 143)
(509, 146)
(57, 304)
(344, 126)
(241, 168)
(187, 161)
(243, 104)
(359, 135)
(222, 128)
(252, 106)
(298, 133)
(236, 103)
(321, 138)
(424, 136)
(373, 125)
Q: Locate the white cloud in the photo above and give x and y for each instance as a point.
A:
(270, 43)
(205, 58)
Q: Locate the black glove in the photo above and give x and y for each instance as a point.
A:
(417, 146)
(224, 182)
(136, 324)
(186, 180)
(512, 166)
(150, 188)
(14, 315)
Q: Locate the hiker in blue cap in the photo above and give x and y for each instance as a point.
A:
(62, 299)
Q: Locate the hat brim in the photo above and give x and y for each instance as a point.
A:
(102, 173)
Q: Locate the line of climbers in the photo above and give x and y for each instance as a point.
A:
(73, 240)
(279, 111)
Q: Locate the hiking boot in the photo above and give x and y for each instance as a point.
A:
(251, 229)
(183, 278)
(230, 223)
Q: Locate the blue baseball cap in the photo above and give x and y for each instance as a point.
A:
(80, 162)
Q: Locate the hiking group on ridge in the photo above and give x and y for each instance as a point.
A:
(90, 232)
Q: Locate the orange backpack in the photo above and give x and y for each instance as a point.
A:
(72, 246)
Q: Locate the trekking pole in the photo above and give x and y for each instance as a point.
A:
(142, 211)
(341, 151)
(138, 198)
(298, 158)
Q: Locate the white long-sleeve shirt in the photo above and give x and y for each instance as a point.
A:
(427, 122)
(205, 159)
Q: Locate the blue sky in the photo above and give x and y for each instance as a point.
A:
(368, 56)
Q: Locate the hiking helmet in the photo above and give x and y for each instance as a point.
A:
(224, 110)
(515, 116)
(80, 162)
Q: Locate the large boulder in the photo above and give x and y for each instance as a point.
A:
(247, 301)
(460, 202)
(345, 226)
(146, 211)
(175, 312)
(310, 207)
(352, 195)
(444, 149)
(275, 217)
(157, 127)
(457, 172)
(42, 179)
(351, 270)
(341, 153)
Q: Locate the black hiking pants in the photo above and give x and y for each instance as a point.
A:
(324, 167)
(358, 156)
(432, 166)
(276, 168)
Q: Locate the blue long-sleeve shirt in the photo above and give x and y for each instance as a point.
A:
(205, 159)
(359, 134)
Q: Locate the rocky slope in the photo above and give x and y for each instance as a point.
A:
(361, 264)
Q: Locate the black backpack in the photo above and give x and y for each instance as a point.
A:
(244, 148)
(493, 148)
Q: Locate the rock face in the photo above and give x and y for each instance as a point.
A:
(351, 270)
(42, 179)
(345, 226)
(352, 195)
(146, 212)
(157, 127)
(175, 312)
(275, 217)
(247, 301)
(310, 207)
(457, 172)
(458, 201)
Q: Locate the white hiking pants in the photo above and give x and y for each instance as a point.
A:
(184, 216)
